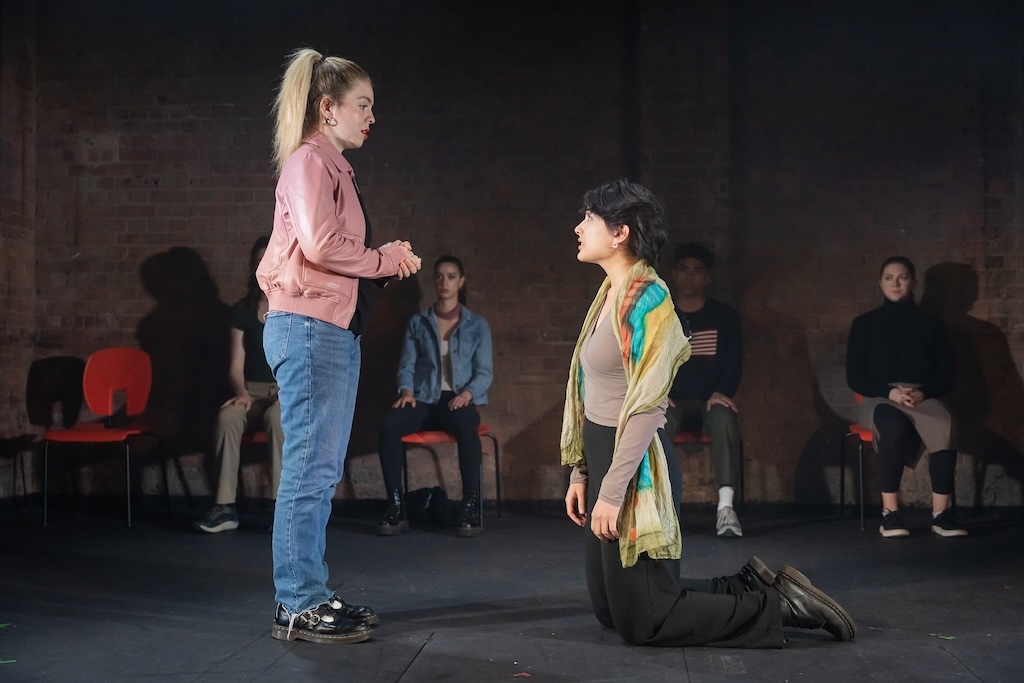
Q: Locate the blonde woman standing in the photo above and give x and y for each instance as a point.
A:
(317, 274)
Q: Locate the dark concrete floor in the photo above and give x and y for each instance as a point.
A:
(87, 599)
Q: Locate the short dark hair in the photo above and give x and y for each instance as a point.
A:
(695, 250)
(903, 261)
(623, 202)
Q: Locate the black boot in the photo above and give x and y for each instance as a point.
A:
(804, 606)
(756, 576)
(394, 521)
(469, 516)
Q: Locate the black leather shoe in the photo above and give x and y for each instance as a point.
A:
(394, 521)
(755, 575)
(469, 517)
(357, 612)
(804, 606)
(319, 625)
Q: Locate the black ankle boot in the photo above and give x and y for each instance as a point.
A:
(755, 575)
(805, 606)
(469, 517)
(394, 521)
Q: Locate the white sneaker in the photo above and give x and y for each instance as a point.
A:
(728, 523)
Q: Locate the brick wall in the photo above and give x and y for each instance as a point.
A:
(805, 146)
(17, 212)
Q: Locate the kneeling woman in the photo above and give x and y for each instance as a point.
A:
(623, 486)
(443, 375)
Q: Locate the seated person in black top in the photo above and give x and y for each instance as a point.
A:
(701, 395)
(254, 406)
(899, 359)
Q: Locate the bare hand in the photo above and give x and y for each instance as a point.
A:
(905, 396)
(406, 399)
(411, 263)
(722, 400)
(461, 400)
(576, 503)
(604, 521)
(243, 399)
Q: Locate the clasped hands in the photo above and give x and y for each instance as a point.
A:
(410, 264)
(906, 396)
(604, 520)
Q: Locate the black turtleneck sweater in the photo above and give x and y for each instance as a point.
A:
(898, 342)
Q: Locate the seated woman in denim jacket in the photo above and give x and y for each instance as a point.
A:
(444, 372)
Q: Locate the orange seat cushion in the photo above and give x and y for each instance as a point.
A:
(691, 437)
(861, 431)
(429, 437)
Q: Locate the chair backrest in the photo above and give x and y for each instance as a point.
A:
(120, 369)
(57, 378)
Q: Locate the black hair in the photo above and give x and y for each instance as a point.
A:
(903, 261)
(448, 258)
(695, 250)
(253, 292)
(623, 202)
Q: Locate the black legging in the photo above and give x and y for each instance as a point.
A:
(462, 423)
(898, 442)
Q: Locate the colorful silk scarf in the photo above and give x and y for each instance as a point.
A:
(653, 348)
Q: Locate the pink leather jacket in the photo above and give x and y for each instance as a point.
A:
(316, 252)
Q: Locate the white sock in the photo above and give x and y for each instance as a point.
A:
(725, 497)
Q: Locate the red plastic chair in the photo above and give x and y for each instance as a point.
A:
(864, 436)
(111, 376)
(427, 439)
(702, 439)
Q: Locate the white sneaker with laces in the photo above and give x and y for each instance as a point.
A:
(729, 524)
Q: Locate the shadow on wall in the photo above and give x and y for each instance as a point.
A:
(187, 335)
(787, 424)
(538, 475)
(987, 392)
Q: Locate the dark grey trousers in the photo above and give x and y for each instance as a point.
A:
(648, 604)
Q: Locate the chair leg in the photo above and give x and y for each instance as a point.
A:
(167, 483)
(46, 480)
(860, 459)
(741, 493)
(128, 480)
(842, 475)
(405, 471)
(24, 481)
(480, 498)
(497, 475)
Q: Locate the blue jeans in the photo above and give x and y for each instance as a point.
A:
(316, 365)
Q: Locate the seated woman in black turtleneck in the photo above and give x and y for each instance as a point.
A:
(899, 359)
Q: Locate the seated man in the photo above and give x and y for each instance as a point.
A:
(701, 395)
(253, 407)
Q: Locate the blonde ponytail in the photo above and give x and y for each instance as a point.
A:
(291, 103)
(308, 78)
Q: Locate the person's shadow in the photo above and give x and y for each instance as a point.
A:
(778, 372)
(987, 390)
(187, 335)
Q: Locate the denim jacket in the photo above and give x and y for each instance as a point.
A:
(419, 368)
